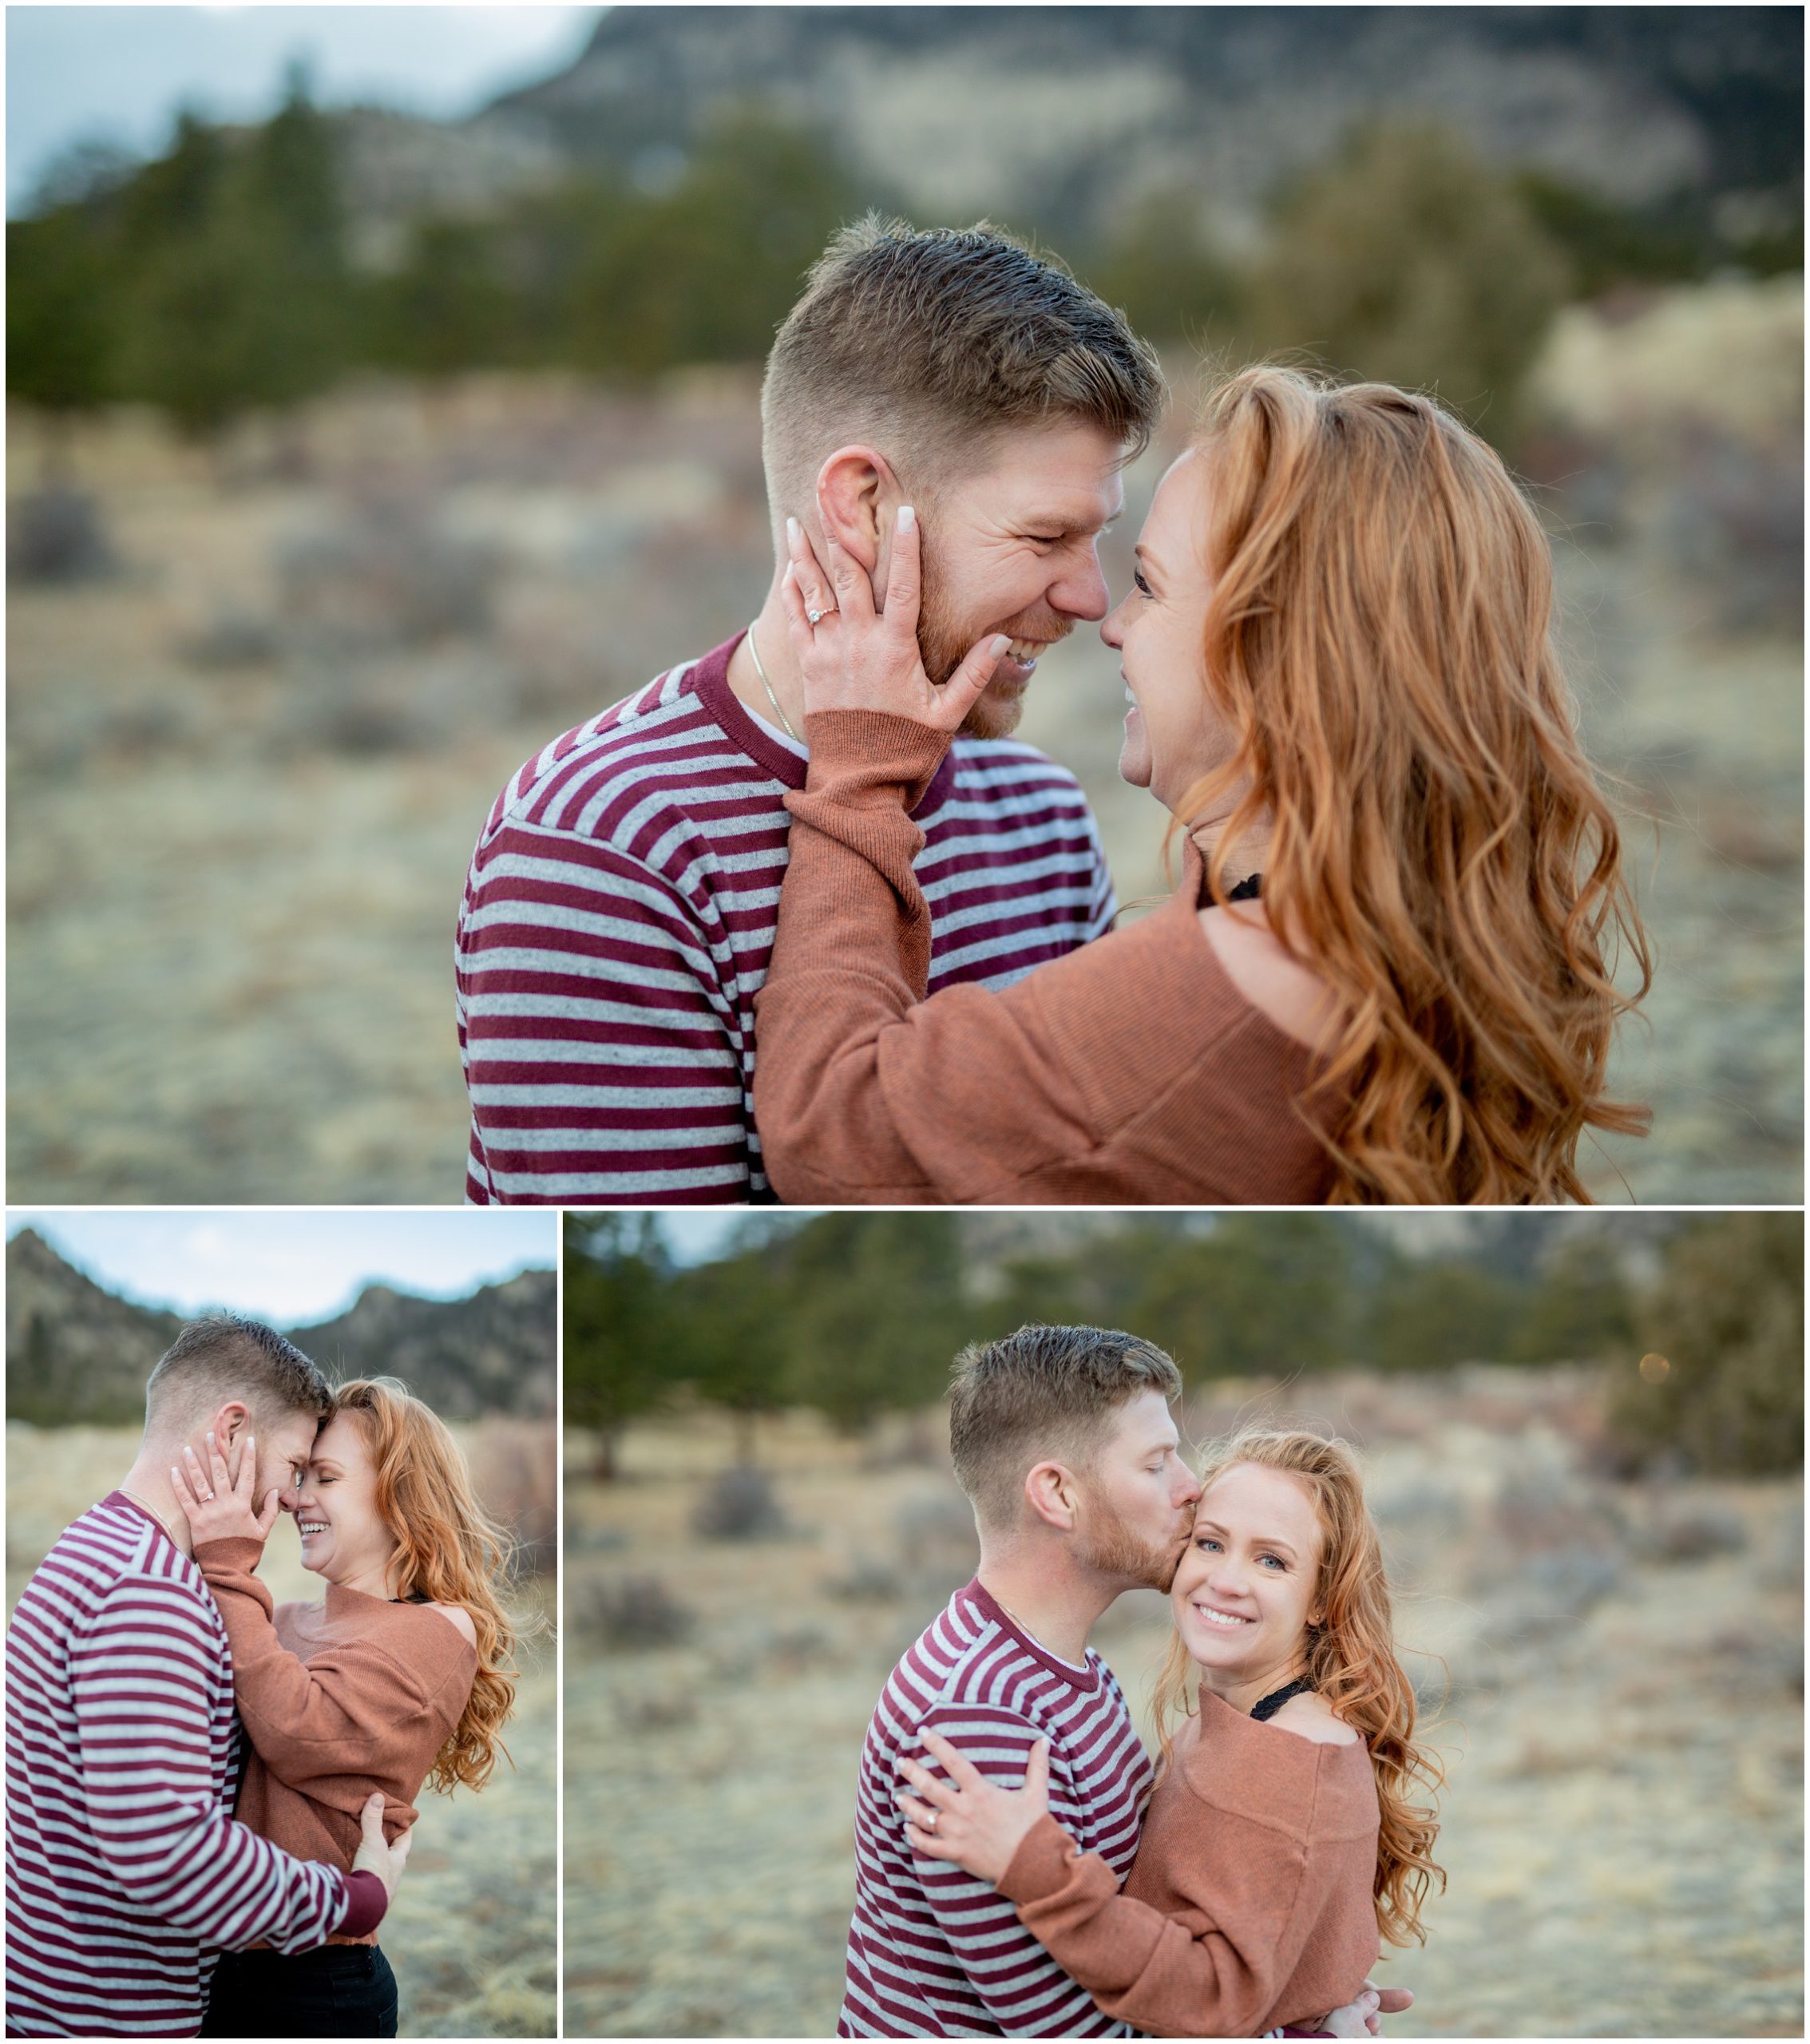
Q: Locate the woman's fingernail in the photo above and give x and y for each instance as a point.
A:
(908, 517)
(999, 645)
(792, 530)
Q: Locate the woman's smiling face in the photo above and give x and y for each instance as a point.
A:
(343, 1535)
(1173, 736)
(1245, 1592)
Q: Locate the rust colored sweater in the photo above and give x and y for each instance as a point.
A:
(1131, 1072)
(337, 1700)
(1249, 1904)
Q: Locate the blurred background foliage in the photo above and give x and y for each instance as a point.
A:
(223, 278)
(220, 280)
(856, 1315)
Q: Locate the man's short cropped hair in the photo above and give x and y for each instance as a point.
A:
(930, 343)
(226, 1357)
(1044, 1393)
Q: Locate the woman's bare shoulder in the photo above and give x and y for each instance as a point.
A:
(461, 1620)
(1310, 1717)
(1268, 975)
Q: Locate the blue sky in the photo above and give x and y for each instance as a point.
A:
(698, 1235)
(118, 74)
(293, 1267)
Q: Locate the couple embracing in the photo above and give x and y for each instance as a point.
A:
(209, 1797)
(800, 918)
(1020, 1870)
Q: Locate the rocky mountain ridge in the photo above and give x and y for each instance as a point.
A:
(1072, 117)
(78, 1353)
(1066, 121)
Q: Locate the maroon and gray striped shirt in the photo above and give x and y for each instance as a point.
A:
(619, 916)
(933, 1951)
(125, 1874)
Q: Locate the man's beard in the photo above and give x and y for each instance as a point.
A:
(1111, 1548)
(943, 644)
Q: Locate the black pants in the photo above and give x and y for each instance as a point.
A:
(340, 1991)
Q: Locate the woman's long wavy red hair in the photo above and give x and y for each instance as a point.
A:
(448, 1550)
(1378, 632)
(1351, 1662)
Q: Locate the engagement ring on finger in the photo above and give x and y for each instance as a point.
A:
(930, 1821)
(815, 616)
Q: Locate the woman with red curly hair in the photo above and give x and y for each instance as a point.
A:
(1285, 1837)
(400, 1676)
(1387, 974)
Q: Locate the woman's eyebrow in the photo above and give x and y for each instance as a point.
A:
(324, 1465)
(1257, 1539)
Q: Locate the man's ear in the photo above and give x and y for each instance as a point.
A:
(1053, 1494)
(233, 1419)
(856, 496)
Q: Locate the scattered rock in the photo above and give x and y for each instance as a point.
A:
(232, 638)
(1694, 1532)
(740, 1505)
(386, 575)
(56, 534)
(635, 1612)
(866, 1580)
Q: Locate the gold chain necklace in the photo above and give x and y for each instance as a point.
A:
(153, 1511)
(1030, 1634)
(754, 651)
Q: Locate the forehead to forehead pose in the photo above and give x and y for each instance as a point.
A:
(126, 1875)
(1283, 1839)
(400, 1676)
(619, 909)
(1387, 974)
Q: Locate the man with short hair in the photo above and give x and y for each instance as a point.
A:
(125, 1874)
(619, 909)
(1063, 1440)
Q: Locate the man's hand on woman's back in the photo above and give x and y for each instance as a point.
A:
(374, 1855)
(1363, 2018)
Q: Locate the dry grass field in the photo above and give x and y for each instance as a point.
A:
(1623, 1819)
(471, 1933)
(245, 770)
